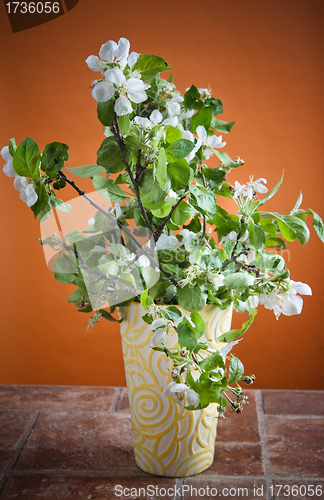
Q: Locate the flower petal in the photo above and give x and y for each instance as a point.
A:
(167, 389)
(158, 337)
(132, 59)
(103, 91)
(116, 76)
(143, 122)
(178, 388)
(156, 117)
(93, 63)
(122, 51)
(193, 398)
(300, 287)
(291, 304)
(123, 106)
(135, 90)
(108, 50)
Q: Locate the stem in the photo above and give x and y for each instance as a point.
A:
(205, 186)
(115, 130)
(160, 227)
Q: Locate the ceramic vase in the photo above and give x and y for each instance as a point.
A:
(168, 439)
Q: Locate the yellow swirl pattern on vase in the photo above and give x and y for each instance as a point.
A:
(168, 440)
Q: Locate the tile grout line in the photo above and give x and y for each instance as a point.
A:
(116, 400)
(264, 441)
(20, 446)
(179, 484)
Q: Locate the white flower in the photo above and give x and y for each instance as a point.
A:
(142, 261)
(26, 189)
(174, 108)
(111, 52)
(210, 142)
(188, 236)
(166, 242)
(228, 347)
(8, 166)
(91, 221)
(132, 59)
(179, 390)
(218, 280)
(204, 92)
(186, 134)
(254, 301)
(193, 398)
(159, 328)
(232, 236)
(94, 63)
(132, 89)
(148, 123)
(288, 303)
(250, 188)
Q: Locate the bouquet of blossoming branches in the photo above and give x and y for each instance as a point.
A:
(151, 170)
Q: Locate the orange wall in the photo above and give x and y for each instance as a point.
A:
(264, 59)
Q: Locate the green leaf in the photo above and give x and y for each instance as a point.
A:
(123, 123)
(235, 371)
(59, 204)
(234, 334)
(182, 213)
(212, 361)
(150, 187)
(42, 207)
(215, 105)
(26, 159)
(191, 298)
(205, 199)
(292, 227)
(172, 134)
(272, 192)
(161, 168)
(108, 189)
(199, 324)
(179, 173)
(179, 149)
(221, 126)
(274, 241)
(208, 390)
(174, 312)
(109, 156)
(298, 203)
(132, 142)
(318, 224)
(150, 65)
(12, 146)
(186, 335)
(194, 225)
(53, 158)
(65, 269)
(239, 281)
(257, 236)
(215, 174)
(146, 300)
(227, 160)
(191, 97)
(105, 112)
(105, 314)
(86, 170)
(203, 117)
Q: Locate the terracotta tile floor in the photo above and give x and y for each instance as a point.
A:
(61, 443)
